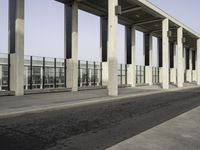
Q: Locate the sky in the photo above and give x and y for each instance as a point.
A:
(44, 29)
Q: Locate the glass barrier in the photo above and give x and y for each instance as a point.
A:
(122, 74)
(41, 72)
(140, 74)
(4, 72)
(155, 75)
(90, 73)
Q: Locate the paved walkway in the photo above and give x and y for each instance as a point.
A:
(12, 105)
(180, 133)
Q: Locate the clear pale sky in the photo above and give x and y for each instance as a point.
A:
(44, 27)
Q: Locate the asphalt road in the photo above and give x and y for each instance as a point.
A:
(94, 127)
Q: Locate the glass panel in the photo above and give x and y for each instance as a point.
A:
(122, 74)
(140, 74)
(89, 73)
(60, 73)
(3, 72)
(27, 72)
(37, 72)
(49, 73)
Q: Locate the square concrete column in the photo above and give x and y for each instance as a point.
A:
(103, 49)
(160, 62)
(172, 62)
(16, 46)
(194, 74)
(189, 72)
(112, 48)
(180, 61)
(198, 62)
(130, 55)
(71, 45)
(1, 75)
(165, 55)
(148, 50)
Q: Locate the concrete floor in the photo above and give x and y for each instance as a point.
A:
(180, 133)
(98, 126)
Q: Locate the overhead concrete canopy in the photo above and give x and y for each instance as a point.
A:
(142, 14)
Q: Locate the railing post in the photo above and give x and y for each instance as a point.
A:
(31, 72)
(136, 74)
(158, 75)
(101, 69)
(94, 74)
(79, 73)
(43, 80)
(144, 74)
(87, 72)
(54, 72)
(65, 72)
(121, 74)
(140, 74)
(8, 72)
(126, 74)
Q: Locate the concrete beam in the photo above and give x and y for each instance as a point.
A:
(112, 48)
(147, 22)
(131, 10)
(16, 46)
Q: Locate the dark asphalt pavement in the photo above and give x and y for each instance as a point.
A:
(94, 127)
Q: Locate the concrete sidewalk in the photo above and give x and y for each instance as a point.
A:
(180, 133)
(12, 105)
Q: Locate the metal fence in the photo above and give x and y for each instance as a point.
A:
(4, 72)
(41, 72)
(140, 74)
(89, 73)
(155, 75)
(122, 74)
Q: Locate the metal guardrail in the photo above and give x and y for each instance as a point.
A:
(4, 72)
(155, 75)
(122, 74)
(89, 73)
(140, 74)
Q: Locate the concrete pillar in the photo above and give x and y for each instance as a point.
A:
(194, 66)
(41, 77)
(16, 46)
(71, 45)
(172, 62)
(148, 50)
(112, 48)
(103, 49)
(90, 76)
(1, 75)
(160, 59)
(165, 55)
(189, 71)
(130, 55)
(198, 62)
(180, 64)
(175, 63)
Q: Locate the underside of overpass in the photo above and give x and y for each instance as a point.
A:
(145, 16)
